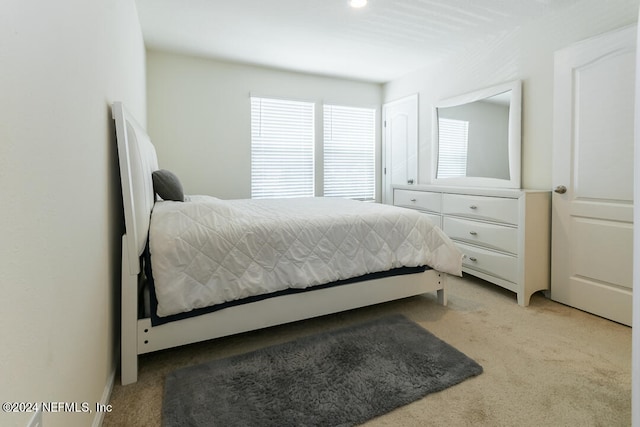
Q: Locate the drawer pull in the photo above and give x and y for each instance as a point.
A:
(473, 259)
(413, 200)
(473, 233)
(473, 207)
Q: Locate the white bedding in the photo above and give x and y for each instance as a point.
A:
(206, 251)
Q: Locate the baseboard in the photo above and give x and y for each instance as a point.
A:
(106, 396)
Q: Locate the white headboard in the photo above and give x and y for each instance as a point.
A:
(137, 157)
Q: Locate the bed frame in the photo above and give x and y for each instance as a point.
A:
(137, 157)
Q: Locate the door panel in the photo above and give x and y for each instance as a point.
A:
(604, 113)
(592, 222)
(398, 125)
(611, 239)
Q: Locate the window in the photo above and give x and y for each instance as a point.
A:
(282, 150)
(282, 154)
(349, 152)
(452, 158)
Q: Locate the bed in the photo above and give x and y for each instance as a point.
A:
(304, 289)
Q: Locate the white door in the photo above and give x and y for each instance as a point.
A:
(592, 218)
(400, 145)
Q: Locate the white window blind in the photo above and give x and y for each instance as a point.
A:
(452, 156)
(282, 148)
(349, 152)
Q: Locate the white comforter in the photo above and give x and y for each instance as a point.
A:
(207, 251)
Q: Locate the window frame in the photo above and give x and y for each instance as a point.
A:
(362, 158)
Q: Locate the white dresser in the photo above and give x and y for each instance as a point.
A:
(504, 233)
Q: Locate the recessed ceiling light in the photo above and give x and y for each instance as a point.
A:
(357, 3)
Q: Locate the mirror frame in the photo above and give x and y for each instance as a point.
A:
(514, 141)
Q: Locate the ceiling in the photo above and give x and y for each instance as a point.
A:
(378, 43)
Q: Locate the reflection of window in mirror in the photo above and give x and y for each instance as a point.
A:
(454, 139)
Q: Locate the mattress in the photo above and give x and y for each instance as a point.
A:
(207, 251)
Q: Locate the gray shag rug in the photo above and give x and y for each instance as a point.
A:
(337, 378)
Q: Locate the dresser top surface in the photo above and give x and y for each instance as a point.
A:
(479, 191)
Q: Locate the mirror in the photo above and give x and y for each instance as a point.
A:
(477, 138)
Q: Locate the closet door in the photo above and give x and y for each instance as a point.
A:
(400, 145)
(592, 218)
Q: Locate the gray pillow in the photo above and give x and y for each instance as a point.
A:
(167, 185)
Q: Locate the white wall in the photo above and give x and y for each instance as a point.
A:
(61, 65)
(525, 54)
(199, 115)
(635, 349)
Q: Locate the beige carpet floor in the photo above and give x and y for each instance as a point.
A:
(544, 365)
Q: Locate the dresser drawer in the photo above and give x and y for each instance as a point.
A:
(500, 237)
(494, 263)
(423, 200)
(497, 209)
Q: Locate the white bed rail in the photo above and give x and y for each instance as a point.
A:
(129, 319)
